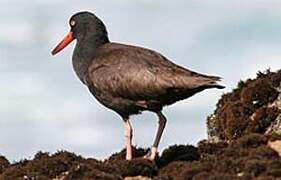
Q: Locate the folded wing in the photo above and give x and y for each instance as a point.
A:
(141, 74)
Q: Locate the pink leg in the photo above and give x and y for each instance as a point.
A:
(128, 132)
(153, 151)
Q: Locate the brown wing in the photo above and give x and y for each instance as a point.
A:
(137, 73)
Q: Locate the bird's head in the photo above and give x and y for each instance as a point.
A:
(82, 25)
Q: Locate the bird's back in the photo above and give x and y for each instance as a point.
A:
(144, 76)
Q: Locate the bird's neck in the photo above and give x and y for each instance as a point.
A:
(84, 53)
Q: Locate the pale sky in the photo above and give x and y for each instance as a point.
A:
(45, 107)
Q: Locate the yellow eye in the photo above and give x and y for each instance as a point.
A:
(72, 23)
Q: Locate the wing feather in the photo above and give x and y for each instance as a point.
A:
(139, 74)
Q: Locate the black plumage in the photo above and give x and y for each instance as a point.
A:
(129, 79)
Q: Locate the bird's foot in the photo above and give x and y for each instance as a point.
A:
(151, 155)
(129, 157)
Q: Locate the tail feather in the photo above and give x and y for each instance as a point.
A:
(213, 82)
(218, 86)
(197, 81)
(215, 78)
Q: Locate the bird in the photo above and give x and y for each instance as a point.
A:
(129, 79)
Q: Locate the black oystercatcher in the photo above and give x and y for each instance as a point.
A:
(129, 79)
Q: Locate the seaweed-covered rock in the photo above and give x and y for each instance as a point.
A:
(253, 107)
(253, 156)
(137, 152)
(137, 166)
(4, 163)
(248, 157)
(43, 166)
(206, 148)
(92, 169)
(178, 153)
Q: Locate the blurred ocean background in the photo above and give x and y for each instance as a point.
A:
(43, 105)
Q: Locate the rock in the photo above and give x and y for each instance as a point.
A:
(275, 126)
(253, 107)
(178, 153)
(4, 163)
(276, 146)
(137, 178)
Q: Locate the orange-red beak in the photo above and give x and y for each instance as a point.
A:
(66, 40)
